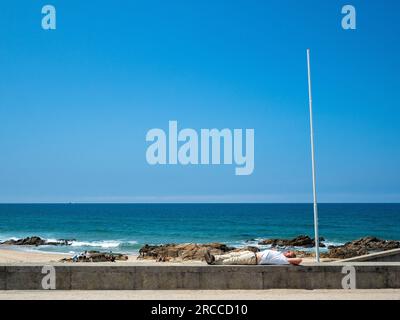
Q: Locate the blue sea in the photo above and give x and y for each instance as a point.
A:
(126, 227)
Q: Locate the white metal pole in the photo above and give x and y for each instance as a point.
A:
(313, 161)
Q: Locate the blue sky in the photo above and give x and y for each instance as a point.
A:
(76, 103)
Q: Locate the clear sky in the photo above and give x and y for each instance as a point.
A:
(76, 102)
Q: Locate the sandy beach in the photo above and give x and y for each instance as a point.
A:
(9, 255)
(15, 256)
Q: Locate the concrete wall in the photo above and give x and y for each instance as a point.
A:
(145, 277)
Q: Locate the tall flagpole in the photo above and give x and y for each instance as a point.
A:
(313, 160)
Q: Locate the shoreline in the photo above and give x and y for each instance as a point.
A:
(14, 256)
(10, 255)
(27, 250)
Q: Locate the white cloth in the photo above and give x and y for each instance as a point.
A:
(272, 257)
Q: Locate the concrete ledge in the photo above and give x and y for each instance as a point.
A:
(199, 277)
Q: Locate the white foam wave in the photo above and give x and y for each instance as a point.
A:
(332, 243)
(255, 243)
(101, 244)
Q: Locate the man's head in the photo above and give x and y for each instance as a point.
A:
(289, 254)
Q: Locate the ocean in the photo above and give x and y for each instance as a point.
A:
(127, 227)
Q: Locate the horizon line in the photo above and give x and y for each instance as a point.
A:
(310, 203)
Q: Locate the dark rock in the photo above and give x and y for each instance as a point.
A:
(361, 247)
(304, 254)
(96, 256)
(29, 241)
(183, 252)
(64, 242)
(248, 248)
(36, 241)
(300, 241)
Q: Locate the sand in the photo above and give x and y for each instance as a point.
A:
(15, 256)
(9, 255)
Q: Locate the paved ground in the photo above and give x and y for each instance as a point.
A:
(277, 294)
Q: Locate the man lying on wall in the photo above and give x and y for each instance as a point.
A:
(253, 258)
